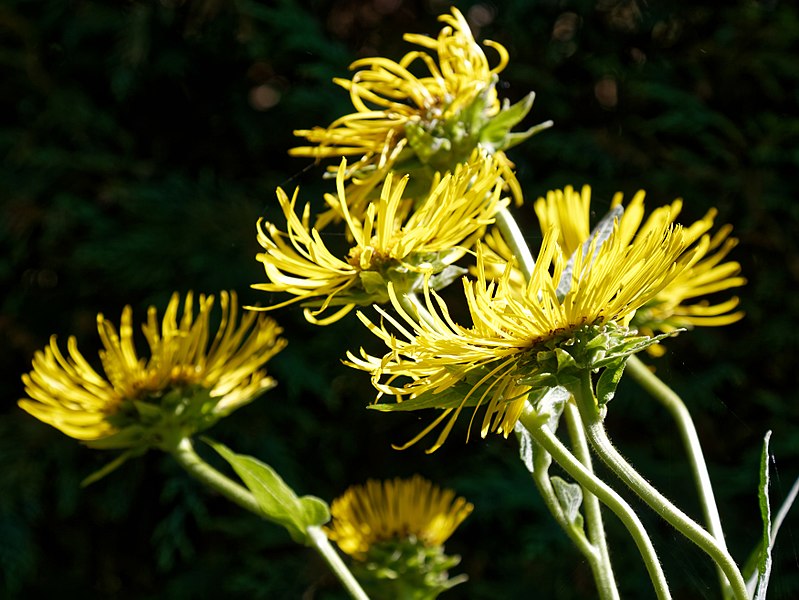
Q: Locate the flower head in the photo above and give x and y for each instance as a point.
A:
(395, 531)
(382, 511)
(676, 305)
(393, 242)
(405, 122)
(572, 315)
(192, 378)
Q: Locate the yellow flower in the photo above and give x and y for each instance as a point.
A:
(192, 377)
(675, 306)
(566, 307)
(392, 242)
(393, 510)
(435, 120)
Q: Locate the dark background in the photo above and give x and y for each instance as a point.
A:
(141, 141)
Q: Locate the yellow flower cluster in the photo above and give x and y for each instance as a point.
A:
(674, 306)
(393, 241)
(426, 184)
(392, 510)
(186, 356)
(403, 121)
(460, 74)
(603, 281)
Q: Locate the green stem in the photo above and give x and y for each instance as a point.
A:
(333, 560)
(606, 586)
(544, 485)
(595, 430)
(515, 240)
(593, 511)
(600, 564)
(690, 440)
(415, 308)
(187, 457)
(589, 481)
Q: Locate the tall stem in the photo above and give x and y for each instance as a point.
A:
(593, 511)
(325, 548)
(600, 568)
(541, 461)
(515, 240)
(589, 481)
(690, 440)
(595, 430)
(600, 564)
(185, 455)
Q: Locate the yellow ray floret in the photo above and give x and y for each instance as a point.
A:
(425, 123)
(392, 510)
(392, 242)
(604, 283)
(397, 96)
(66, 392)
(681, 304)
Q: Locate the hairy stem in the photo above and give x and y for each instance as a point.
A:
(595, 430)
(515, 240)
(187, 457)
(593, 511)
(600, 568)
(589, 481)
(690, 440)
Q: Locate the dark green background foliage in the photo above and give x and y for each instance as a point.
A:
(142, 140)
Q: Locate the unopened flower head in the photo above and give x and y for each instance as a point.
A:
(573, 314)
(193, 376)
(682, 303)
(394, 241)
(394, 510)
(405, 122)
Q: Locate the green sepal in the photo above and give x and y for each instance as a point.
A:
(444, 278)
(426, 145)
(375, 287)
(406, 569)
(608, 381)
(539, 380)
(496, 133)
(474, 117)
(627, 347)
(149, 411)
(277, 500)
(407, 277)
(564, 359)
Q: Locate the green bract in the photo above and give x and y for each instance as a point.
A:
(406, 569)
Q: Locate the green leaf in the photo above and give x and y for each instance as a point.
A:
(276, 499)
(315, 510)
(551, 403)
(764, 560)
(570, 497)
(526, 446)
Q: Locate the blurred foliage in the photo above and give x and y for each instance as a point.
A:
(141, 141)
